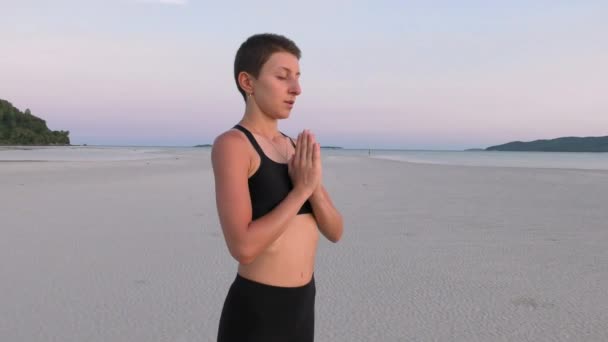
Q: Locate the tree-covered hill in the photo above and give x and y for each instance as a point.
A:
(17, 128)
(565, 144)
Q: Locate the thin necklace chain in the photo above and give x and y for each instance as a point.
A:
(284, 155)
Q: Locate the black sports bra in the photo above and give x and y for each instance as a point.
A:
(270, 184)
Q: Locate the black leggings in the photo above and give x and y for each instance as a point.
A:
(258, 312)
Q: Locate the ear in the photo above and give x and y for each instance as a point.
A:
(246, 82)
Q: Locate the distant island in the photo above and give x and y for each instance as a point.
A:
(565, 144)
(205, 145)
(17, 128)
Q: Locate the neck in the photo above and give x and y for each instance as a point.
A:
(260, 123)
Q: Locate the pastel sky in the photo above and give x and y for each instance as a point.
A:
(379, 74)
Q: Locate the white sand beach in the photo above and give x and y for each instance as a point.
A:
(125, 245)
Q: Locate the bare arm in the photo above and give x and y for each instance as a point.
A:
(246, 239)
(328, 217)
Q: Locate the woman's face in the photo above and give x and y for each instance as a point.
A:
(278, 85)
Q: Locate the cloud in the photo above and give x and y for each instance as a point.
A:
(168, 2)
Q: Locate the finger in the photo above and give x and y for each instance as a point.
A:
(311, 147)
(298, 148)
(304, 147)
(317, 154)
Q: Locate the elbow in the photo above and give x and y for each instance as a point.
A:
(245, 259)
(335, 237)
(336, 234)
(241, 249)
(340, 230)
(242, 255)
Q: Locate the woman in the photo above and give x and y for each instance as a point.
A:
(271, 201)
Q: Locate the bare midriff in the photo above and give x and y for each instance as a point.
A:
(289, 261)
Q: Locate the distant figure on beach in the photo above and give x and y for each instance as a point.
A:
(271, 201)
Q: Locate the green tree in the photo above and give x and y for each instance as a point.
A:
(17, 128)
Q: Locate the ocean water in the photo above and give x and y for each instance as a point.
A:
(558, 160)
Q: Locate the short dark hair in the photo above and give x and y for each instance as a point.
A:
(256, 51)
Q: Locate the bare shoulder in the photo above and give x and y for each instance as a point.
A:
(231, 162)
(231, 144)
(230, 137)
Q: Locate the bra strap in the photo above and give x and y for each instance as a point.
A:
(292, 143)
(251, 139)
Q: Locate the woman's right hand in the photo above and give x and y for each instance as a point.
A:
(305, 165)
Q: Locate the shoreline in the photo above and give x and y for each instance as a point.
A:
(437, 158)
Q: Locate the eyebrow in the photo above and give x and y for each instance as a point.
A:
(289, 70)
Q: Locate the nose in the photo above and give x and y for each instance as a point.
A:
(294, 88)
